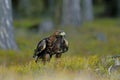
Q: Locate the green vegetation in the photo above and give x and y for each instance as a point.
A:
(88, 53)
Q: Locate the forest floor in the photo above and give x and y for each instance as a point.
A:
(88, 58)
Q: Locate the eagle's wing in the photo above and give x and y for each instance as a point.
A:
(41, 46)
(65, 45)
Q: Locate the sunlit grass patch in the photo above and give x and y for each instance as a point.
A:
(89, 49)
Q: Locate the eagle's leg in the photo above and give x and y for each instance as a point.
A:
(46, 58)
(58, 56)
(50, 56)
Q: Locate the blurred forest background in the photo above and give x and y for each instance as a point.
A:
(92, 27)
(46, 15)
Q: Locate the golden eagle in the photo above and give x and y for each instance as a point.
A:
(56, 44)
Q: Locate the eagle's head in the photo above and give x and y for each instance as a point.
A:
(59, 33)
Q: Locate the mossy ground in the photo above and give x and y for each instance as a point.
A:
(90, 46)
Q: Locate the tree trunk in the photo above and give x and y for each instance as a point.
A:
(118, 4)
(25, 7)
(71, 13)
(51, 5)
(88, 10)
(57, 12)
(7, 40)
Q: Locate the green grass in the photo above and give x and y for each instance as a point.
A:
(26, 23)
(87, 53)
